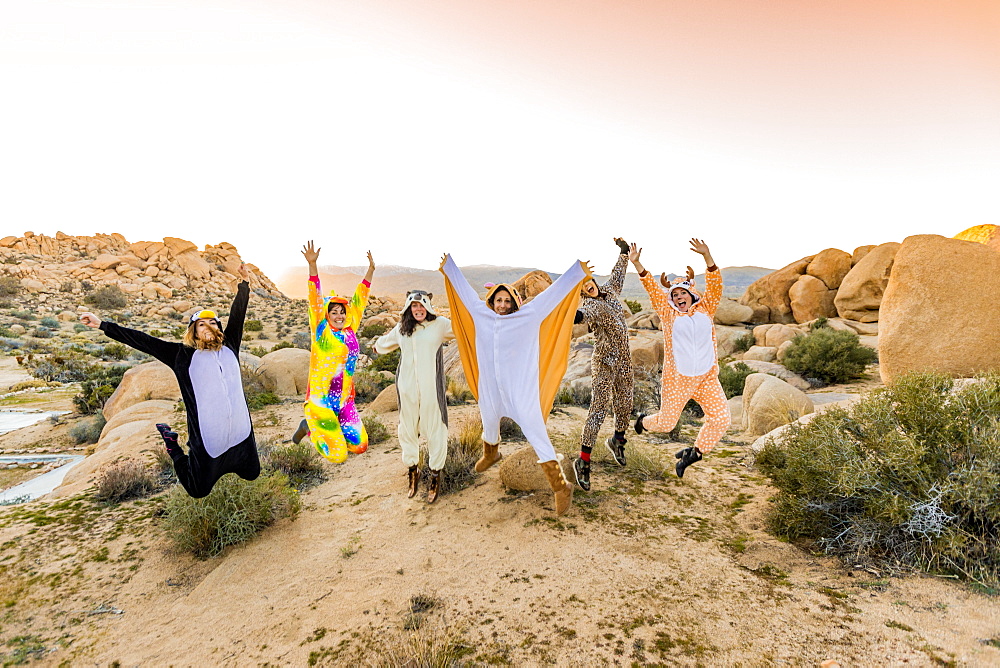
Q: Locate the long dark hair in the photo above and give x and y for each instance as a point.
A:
(408, 323)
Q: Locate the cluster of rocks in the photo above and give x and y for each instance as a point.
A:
(150, 272)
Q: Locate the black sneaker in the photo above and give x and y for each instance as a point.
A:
(638, 424)
(687, 457)
(616, 449)
(582, 471)
(170, 440)
(301, 432)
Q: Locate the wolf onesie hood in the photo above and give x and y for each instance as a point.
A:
(220, 435)
(515, 363)
(420, 383)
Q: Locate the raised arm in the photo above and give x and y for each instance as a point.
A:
(456, 279)
(713, 277)
(165, 351)
(238, 311)
(315, 297)
(617, 281)
(550, 297)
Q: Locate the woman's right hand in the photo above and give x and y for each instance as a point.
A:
(90, 320)
(444, 259)
(311, 254)
(634, 253)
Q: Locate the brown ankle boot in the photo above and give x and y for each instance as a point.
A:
(413, 480)
(562, 490)
(433, 486)
(491, 455)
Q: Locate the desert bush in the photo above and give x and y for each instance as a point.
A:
(98, 387)
(88, 431)
(67, 286)
(829, 355)
(123, 480)
(80, 327)
(50, 322)
(302, 340)
(41, 333)
(460, 465)
(258, 351)
(254, 389)
(107, 297)
(510, 430)
(386, 362)
(457, 393)
(818, 323)
(576, 394)
(253, 326)
(282, 344)
(646, 384)
(9, 286)
(368, 384)
(298, 461)
(25, 315)
(909, 475)
(733, 378)
(375, 428)
(633, 305)
(371, 331)
(116, 351)
(65, 368)
(235, 511)
(744, 343)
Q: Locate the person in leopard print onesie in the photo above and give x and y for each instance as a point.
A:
(602, 310)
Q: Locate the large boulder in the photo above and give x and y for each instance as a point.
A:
(151, 380)
(768, 295)
(531, 284)
(830, 266)
(647, 350)
(988, 235)
(387, 401)
(860, 295)
(860, 252)
(770, 402)
(777, 371)
(726, 337)
(522, 472)
(387, 320)
(285, 371)
(774, 335)
(810, 298)
(647, 319)
(731, 312)
(581, 355)
(761, 353)
(929, 323)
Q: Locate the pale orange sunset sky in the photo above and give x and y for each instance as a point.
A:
(520, 133)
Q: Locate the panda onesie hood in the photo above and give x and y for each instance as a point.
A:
(420, 383)
(220, 434)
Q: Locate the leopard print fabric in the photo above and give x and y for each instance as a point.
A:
(611, 364)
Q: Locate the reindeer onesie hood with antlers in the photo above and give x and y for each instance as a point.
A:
(690, 361)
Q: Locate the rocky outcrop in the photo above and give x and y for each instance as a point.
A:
(150, 272)
(285, 371)
(531, 284)
(927, 323)
(768, 296)
(860, 295)
(731, 312)
(776, 370)
(988, 235)
(520, 471)
(770, 402)
(830, 266)
(144, 382)
(810, 298)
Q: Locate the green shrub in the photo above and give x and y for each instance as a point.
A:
(457, 393)
(733, 378)
(258, 351)
(124, 480)
(909, 475)
(235, 511)
(299, 461)
(829, 355)
(387, 362)
(460, 465)
(744, 343)
(576, 394)
(255, 391)
(88, 431)
(116, 351)
(818, 323)
(375, 428)
(368, 384)
(633, 305)
(50, 322)
(64, 368)
(253, 326)
(9, 286)
(282, 344)
(96, 390)
(302, 340)
(107, 297)
(371, 331)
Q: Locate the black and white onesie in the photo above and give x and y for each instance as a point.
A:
(220, 435)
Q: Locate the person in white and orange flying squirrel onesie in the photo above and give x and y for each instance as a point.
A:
(690, 359)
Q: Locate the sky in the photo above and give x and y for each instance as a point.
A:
(513, 132)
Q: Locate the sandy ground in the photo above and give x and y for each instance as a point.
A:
(644, 570)
(11, 372)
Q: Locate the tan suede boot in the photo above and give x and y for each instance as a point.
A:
(562, 490)
(491, 455)
(433, 486)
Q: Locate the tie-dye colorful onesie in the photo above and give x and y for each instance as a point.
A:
(690, 360)
(334, 424)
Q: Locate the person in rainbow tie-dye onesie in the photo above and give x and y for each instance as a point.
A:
(332, 420)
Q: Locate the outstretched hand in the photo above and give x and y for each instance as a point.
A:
(90, 320)
(634, 253)
(699, 247)
(444, 259)
(371, 262)
(587, 267)
(244, 272)
(622, 246)
(311, 254)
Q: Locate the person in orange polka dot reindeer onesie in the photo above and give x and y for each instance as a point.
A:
(690, 360)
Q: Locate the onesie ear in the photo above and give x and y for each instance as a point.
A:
(408, 293)
(430, 296)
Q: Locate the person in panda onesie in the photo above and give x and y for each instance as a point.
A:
(690, 358)
(420, 383)
(207, 366)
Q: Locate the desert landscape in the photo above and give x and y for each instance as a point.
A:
(646, 569)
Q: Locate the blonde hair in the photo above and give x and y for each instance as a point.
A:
(192, 341)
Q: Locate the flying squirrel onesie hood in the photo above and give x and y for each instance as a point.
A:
(493, 288)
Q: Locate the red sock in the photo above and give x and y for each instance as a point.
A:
(585, 456)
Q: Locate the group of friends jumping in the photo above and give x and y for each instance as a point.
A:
(514, 355)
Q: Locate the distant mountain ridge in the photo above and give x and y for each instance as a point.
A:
(395, 280)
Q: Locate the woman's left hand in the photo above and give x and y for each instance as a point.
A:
(244, 272)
